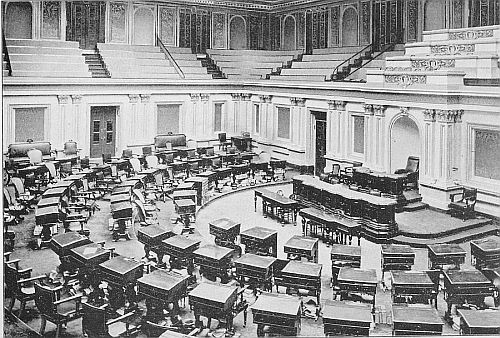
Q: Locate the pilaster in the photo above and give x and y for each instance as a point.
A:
(205, 124)
(266, 120)
(369, 146)
(246, 112)
(63, 120)
(133, 100)
(446, 120)
(76, 129)
(146, 117)
(379, 137)
(192, 115)
(235, 114)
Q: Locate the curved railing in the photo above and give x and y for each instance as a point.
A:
(347, 62)
(170, 57)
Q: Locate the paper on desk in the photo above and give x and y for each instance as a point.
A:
(89, 251)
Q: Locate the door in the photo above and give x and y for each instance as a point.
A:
(309, 33)
(320, 161)
(387, 23)
(85, 22)
(102, 131)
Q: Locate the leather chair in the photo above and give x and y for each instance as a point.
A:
(463, 202)
(96, 322)
(223, 142)
(19, 284)
(411, 172)
(71, 151)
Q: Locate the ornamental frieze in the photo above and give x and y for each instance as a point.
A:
(454, 49)
(471, 35)
(449, 116)
(432, 64)
(405, 80)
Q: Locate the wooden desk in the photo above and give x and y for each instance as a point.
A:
(180, 249)
(278, 206)
(161, 288)
(302, 275)
(485, 253)
(410, 320)
(214, 301)
(239, 172)
(281, 312)
(185, 186)
(210, 175)
(202, 186)
(48, 201)
(260, 241)
(485, 322)
(256, 268)
(346, 319)
(441, 255)
(50, 214)
(121, 210)
(397, 257)
(121, 270)
(353, 280)
(414, 287)
(242, 143)
(466, 285)
(344, 256)
(214, 261)
(56, 192)
(299, 246)
(88, 256)
(222, 173)
(185, 207)
(384, 182)
(63, 243)
(184, 194)
(225, 232)
(152, 237)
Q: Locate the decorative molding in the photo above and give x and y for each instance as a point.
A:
(332, 105)
(265, 98)
(340, 105)
(404, 110)
(194, 97)
(246, 96)
(471, 34)
(236, 96)
(76, 99)
(429, 115)
(449, 115)
(145, 98)
(204, 97)
(453, 49)
(405, 80)
(379, 110)
(297, 101)
(432, 64)
(63, 99)
(368, 109)
(133, 98)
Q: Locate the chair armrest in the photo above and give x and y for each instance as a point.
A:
(452, 196)
(69, 299)
(119, 319)
(195, 331)
(24, 270)
(14, 261)
(32, 279)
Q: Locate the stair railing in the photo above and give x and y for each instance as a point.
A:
(6, 54)
(348, 60)
(170, 57)
(386, 48)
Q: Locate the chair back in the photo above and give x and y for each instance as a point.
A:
(139, 195)
(35, 156)
(191, 143)
(127, 153)
(470, 194)
(168, 145)
(191, 153)
(280, 192)
(231, 150)
(70, 148)
(44, 300)
(265, 156)
(336, 169)
(18, 183)
(146, 151)
(51, 167)
(66, 168)
(94, 320)
(209, 151)
(159, 179)
(8, 197)
(85, 162)
(11, 278)
(194, 166)
(412, 164)
(152, 161)
(245, 133)
(169, 158)
(216, 162)
(106, 158)
(222, 137)
(136, 164)
(328, 167)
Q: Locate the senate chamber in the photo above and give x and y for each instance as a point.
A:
(232, 168)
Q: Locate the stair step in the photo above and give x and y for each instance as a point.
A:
(415, 206)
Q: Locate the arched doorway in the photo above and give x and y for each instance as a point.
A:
(350, 27)
(405, 141)
(237, 33)
(289, 33)
(144, 27)
(18, 20)
(434, 15)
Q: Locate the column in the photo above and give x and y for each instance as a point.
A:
(269, 117)
(134, 122)
(368, 135)
(342, 128)
(61, 120)
(246, 112)
(235, 114)
(147, 117)
(192, 116)
(426, 168)
(446, 120)
(295, 125)
(263, 117)
(302, 114)
(331, 126)
(379, 134)
(204, 123)
(75, 129)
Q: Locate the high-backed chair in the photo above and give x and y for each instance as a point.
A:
(411, 171)
(127, 153)
(11, 205)
(463, 202)
(152, 161)
(106, 158)
(20, 285)
(96, 322)
(223, 142)
(35, 156)
(146, 151)
(71, 151)
(54, 309)
(192, 144)
(136, 165)
(24, 196)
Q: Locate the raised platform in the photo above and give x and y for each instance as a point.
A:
(423, 227)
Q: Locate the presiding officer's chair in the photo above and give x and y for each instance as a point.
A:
(463, 202)
(411, 172)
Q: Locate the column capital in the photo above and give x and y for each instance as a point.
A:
(133, 98)
(145, 98)
(340, 105)
(368, 109)
(331, 105)
(298, 101)
(194, 97)
(379, 110)
(449, 115)
(429, 115)
(236, 96)
(246, 96)
(63, 99)
(404, 110)
(204, 97)
(76, 99)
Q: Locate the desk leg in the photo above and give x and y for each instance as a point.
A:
(264, 208)
(304, 226)
(255, 202)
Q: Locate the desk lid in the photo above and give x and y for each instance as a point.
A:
(154, 231)
(259, 232)
(46, 201)
(490, 243)
(225, 224)
(185, 202)
(215, 292)
(120, 189)
(181, 242)
(347, 311)
(277, 303)
(345, 250)
(347, 274)
(55, 191)
(186, 185)
(303, 268)
(189, 192)
(302, 242)
(164, 280)
(411, 278)
(444, 249)
(397, 249)
(328, 218)
(69, 239)
(416, 314)
(89, 251)
(121, 265)
(255, 260)
(465, 277)
(481, 318)
(214, 252)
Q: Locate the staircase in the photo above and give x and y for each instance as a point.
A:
(96, 65)
(209, 64)
(5, 66)
(413, 201)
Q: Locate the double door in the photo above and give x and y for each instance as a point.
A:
(86, 22)
(102, 131)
